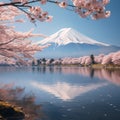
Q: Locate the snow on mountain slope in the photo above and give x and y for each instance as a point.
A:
(68, 35)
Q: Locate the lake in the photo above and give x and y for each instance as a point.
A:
(62, 93)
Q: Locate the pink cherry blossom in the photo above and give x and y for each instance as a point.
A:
(105, 2)
(63, 4)
(43, 1)
(116, 58)
(49, 18)
(14, 45)
(96, 9)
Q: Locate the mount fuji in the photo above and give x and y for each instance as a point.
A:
(68, 42)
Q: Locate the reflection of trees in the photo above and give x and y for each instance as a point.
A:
(41, 69)
(110, 75)
(16, 97)
(92, 73)
(85, 71)
(51, 69)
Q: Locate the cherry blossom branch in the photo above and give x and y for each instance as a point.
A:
(84, 8)
(7, 42)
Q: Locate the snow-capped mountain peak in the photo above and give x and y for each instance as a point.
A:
(68, 35)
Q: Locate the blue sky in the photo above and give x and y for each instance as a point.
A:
(103, 30)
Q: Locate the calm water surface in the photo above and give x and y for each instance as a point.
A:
(62, 93)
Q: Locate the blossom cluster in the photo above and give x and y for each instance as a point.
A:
(113, 58)
(37, 13)
(95, 8)
(84, 8)
(14, 45)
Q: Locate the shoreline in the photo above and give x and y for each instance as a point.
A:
(9, 111)
(94, 66)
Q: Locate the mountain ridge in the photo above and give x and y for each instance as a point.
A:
(67, 42)
(68, 35)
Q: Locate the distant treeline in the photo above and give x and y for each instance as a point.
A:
(111, 58)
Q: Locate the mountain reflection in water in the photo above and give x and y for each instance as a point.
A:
(68, 91)
(62, 93)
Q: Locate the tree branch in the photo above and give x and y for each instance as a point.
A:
(7, 42)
